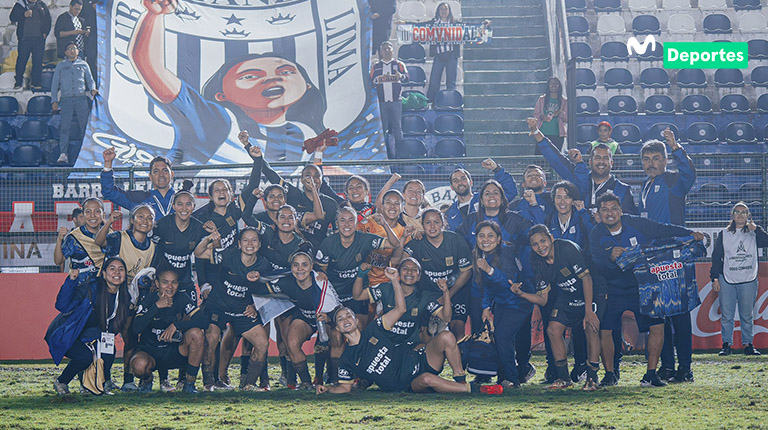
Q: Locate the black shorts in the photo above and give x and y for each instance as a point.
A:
(168, 357)
(299, 315)
(600, 305)
(567, 317)
(190, 291)
(617, 303)
(239, 322)
(460, 302)
(424, 366)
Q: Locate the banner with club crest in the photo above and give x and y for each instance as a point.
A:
(181, 78)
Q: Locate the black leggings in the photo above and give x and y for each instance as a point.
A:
(80, 357)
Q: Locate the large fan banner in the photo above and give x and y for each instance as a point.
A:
(181, 78)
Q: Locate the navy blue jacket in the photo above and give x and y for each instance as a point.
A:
(495, 287)
(453, 214)
(75, 302)
(663, 198)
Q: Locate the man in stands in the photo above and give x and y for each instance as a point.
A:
(466, 201)
(387, 75)
(70, 28)
(662, 199)
(33, 23)
(161, 195)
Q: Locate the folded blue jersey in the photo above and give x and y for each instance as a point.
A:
(666, 274)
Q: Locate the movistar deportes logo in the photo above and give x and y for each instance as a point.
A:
(641, 48)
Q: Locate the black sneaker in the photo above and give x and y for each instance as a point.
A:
(682, 375)
(617, 372)
(726, 350)
(666, 374)
(550, 375)
(652, 381)
(528, 373)
(579, 372)
(750, 350)
(609, 380)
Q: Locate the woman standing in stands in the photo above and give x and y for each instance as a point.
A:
(78, 245)
(551, 113)
(445, 56)
(94, 307)
(734, 275)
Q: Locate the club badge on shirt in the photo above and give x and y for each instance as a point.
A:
(449, 261)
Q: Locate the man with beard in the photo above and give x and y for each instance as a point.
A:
(592, 183)
(159, 198)
(534, 187)
(466, 201)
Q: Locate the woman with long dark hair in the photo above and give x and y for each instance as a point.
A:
(445, 56)
(551, 113)
(89, 308)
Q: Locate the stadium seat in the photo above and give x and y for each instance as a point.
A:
(607, 5)
(626, 133)
(712, 5)
(675, 4)
(614, 51)
(6, 131)
(734, 103)
(750, 192)
(581, 51)
(753, 22)
(691, 78)
(729, 78)
(45, 82)
(696, 104)
(448, 100)
(449, 148)
(455, 9)
(642, 5)
(405, 95)
(9, 106)
(657, 131)
(765, 134)
(586, 133)
(33, 130)
(712, 193)
(411, 148)
(652, 53)
(654, 77)
(762, 103)
(758, 49)
(576, 6)
(39, 106)
(588, 105)
(646, 24)
(448, 124)
(740, 133)
(659, 104)
(416, 77)
(717, 24)
(414, 125)
(577, 26)
(681, 23)
(618, 79)
(409, 170)
(585, 79)
(621, 105)
(411, 11)
(27, 156)
(759, 76)
(412, 53)
(608, 25)
(700, 133)
(746, 5)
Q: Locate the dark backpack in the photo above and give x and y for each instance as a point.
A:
(478, 352)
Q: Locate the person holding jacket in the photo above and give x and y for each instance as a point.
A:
(734, 275)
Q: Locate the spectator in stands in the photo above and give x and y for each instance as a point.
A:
(604, 137)
(70, 28)
(734, 275)
(33, 23)
(388, 74)
(160, 198)
(551, 113)
(445, 56)
(381, 15)
(88, 14)
(73, 78)
(466, 201)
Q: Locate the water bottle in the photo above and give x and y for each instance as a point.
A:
(322, 332)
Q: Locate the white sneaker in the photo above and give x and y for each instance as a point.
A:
(60, 388)
(63, 158)
(166, 386)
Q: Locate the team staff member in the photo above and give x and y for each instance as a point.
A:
(372, 355)
(607, 241)
(444, 255)
(230, 302)
(466, 201)
(170, 327)
(560, 263)
(78, 245)
(591, 183)
(495, 265)
(159, 198)
(97, 305)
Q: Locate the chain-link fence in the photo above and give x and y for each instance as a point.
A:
(34, 203)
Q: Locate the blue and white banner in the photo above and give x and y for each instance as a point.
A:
(182, 78)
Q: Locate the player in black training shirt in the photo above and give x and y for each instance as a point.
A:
(176, 236)
(170, 328)
(358, 190)
(444, 255)
(560, 264)
(230, 301)
(371, 354)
